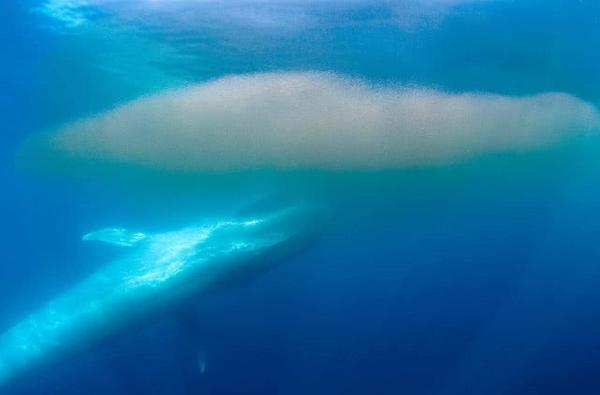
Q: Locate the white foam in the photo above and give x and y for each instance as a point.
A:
(318, 120)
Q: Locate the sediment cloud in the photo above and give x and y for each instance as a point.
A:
(302, 120)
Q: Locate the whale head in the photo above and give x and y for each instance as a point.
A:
(211, 252)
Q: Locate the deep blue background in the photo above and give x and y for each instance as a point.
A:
(477, 278)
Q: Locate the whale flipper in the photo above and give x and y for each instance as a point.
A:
(117, 236)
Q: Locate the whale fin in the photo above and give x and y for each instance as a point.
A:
(202, 361)
(117, 236)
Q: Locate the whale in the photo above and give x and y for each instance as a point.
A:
(154, 272)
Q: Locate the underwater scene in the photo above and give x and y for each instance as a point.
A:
(300, 197)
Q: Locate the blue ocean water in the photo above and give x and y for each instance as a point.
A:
(476, 275)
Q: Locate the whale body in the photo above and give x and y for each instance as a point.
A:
(160, 269)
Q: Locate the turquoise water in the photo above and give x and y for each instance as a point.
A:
(300, 197)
